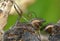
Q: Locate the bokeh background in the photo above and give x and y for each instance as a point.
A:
(46, 9)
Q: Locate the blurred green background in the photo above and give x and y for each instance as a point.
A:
(46, 9)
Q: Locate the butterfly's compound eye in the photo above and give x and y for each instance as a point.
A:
(49, 28)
